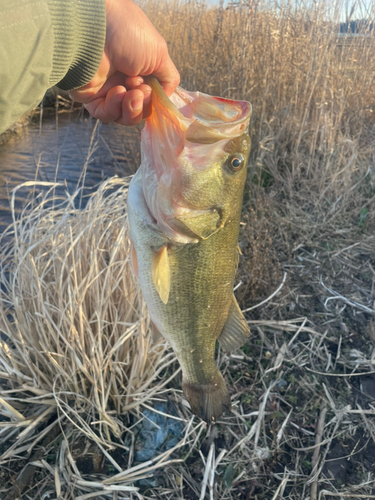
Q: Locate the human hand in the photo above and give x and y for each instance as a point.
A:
(133, 48)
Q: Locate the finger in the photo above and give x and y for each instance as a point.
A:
(137, 82)
(167, 75)
(146, 90)
(131, 82)
(132, 108)
(87, 94)
(108, 108)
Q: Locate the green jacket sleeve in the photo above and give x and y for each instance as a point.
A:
(45, 43)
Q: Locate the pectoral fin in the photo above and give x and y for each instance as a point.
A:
(202, 225)
(161, 274)
(235, 331)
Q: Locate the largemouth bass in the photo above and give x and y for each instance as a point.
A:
(184, 207)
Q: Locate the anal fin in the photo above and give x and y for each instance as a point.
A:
(236, 330)
(161, 274)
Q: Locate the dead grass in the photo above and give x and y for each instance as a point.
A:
(264, 250)
(76, 352)
(312, 96)
(75, 332)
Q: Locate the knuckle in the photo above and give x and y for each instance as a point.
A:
(177, 80)
(162, 46)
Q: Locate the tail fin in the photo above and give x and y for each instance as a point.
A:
(208, 401)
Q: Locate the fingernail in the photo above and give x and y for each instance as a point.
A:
(136, 104)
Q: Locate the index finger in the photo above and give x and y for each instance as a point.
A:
(167, 75)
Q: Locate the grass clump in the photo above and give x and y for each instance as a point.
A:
(79, 322)
(75, 336)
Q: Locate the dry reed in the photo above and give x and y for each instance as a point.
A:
(312, 91)
(75, 336)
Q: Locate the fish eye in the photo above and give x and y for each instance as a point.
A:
(235, 162)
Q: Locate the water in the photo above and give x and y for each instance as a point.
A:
(69, 148)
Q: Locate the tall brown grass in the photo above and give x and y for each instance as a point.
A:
(313, 93)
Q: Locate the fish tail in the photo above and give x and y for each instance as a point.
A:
(208, 401)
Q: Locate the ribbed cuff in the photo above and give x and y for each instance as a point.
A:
(79, 35)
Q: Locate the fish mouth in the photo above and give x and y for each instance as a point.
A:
(212, 119)
(184, 135)
(204, 119)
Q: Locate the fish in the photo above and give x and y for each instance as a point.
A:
(184, 207)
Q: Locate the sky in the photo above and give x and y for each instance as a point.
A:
(359, 8)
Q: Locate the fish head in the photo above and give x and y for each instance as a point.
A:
(195, 150)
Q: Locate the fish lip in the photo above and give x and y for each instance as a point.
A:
(203, 131)
(190, 97)
(247, 108)
(195, 128)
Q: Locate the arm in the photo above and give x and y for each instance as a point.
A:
(99, 47)
(44, 43)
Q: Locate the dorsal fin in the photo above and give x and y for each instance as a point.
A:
(236, 330)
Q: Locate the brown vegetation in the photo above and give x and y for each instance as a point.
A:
(76, 347)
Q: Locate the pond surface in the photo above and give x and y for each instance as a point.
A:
(69, 148)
